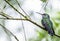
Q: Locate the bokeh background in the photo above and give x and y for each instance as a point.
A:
(32, 32)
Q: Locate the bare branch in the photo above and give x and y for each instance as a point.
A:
(5, 29)
(41, 27)
(24, 31)
(5, 15)
(23, 10)
(15, 8)
(57, 35)
(36, 24)
(13, 19)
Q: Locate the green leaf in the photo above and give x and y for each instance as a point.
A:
(44, 0)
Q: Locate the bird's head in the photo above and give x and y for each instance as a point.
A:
(44, 15)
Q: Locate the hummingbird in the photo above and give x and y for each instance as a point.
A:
(47, 23)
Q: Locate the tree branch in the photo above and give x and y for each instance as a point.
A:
(5, 15)
(36, 24)
(27, 18)
(13, 19)
(57, 35)
(23, 10)
(23, 30)
(15, 8)
(5, 29)
(41, 27)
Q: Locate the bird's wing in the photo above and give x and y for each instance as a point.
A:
(48, 25)
(44, 23)
(52, 26)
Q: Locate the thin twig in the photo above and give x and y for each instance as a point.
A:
(57, 35)
(24, 31)
(36, 24)
(24, 19)
(22, 9)
(45, 5)
(5, 15)
(5, 29)
(15, 8)
(13, 19)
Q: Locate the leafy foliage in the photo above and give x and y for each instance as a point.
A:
(43, 0)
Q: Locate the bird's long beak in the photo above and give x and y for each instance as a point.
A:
(39, 13)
